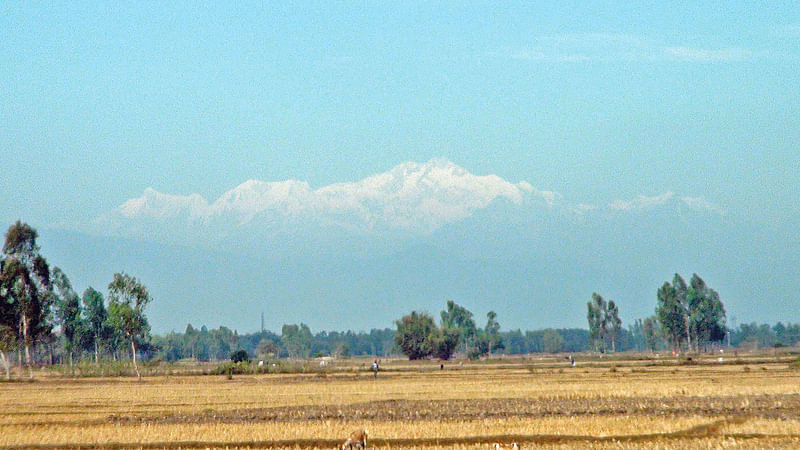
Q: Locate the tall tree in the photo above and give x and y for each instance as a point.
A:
(127, 301)
(492, 332)
(96, 319)
(460, 318)
(682, 297)
(597, 315)
(671, 315)
(68, 314)
(614, 324)
(9, 339)
(650, 332)
(26, 277)
(706, 313)
(296, 339)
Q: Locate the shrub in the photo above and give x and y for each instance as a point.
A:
(240, 356)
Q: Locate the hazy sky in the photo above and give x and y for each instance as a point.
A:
(99, 101)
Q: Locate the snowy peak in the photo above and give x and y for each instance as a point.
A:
(154, 204)
(416, 198)
(412, 196)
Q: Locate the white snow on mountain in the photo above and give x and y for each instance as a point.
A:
(411, 196)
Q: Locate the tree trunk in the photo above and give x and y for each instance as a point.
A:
(27, 344)
(135, 366)
(96, 351)
(7, 364)
(613, 346)
(688, 336)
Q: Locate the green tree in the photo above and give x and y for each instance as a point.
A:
(9, 339)
(552, 341)
(191, 337)
(650, 332)
(492, 331)
(127, 299)
(69, 315)
(706, 313)
(614, 324)
(671, 315)
(460, 318)
(414, 335)
(26, 280)
(445, 342)
(681, 296)
(96, 319)
(267, 347)
(597, 316)
(297, 340)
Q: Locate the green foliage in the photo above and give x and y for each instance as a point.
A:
(240, 356)
(26, 294)
(650, 330)
(414, 333)
(234, 368)
(127, 301)
(445, 343)
(297, 340)
(690, 313)
(614, 324)
(492, 333)
(457, 317)
(671, 315)
(552, 341)
(267, 348)
(597, 316)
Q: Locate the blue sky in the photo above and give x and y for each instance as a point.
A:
(598, 102)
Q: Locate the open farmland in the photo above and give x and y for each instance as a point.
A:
(543, 403)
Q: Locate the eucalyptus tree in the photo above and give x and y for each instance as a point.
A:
(492, 332)
(457, 317)
(671, 315)
(26, 287)
(69, 314)
(597, 316)
(96, 319)
(614, 323)
(9, 321)
(127, 299)
(706, 313)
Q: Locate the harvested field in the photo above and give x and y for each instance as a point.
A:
(635, 406)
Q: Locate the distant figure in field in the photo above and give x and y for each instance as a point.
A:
(357, 439)
(571, 361)
(512, 446)
(375, 368)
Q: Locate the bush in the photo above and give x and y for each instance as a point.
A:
(233, 368)
(240, 356)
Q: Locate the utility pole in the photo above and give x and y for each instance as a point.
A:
(262, 322)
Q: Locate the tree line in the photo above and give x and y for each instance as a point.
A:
(43, 319)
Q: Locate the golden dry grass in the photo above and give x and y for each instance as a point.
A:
(594, 407)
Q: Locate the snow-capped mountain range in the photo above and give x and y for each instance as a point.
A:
(416, 198)
(414, 236)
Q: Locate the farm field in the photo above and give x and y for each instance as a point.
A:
(538, 404)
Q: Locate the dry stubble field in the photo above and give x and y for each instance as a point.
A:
(633, 405)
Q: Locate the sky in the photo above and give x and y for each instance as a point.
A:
(598, 101)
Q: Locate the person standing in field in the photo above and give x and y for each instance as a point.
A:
(375, 368)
